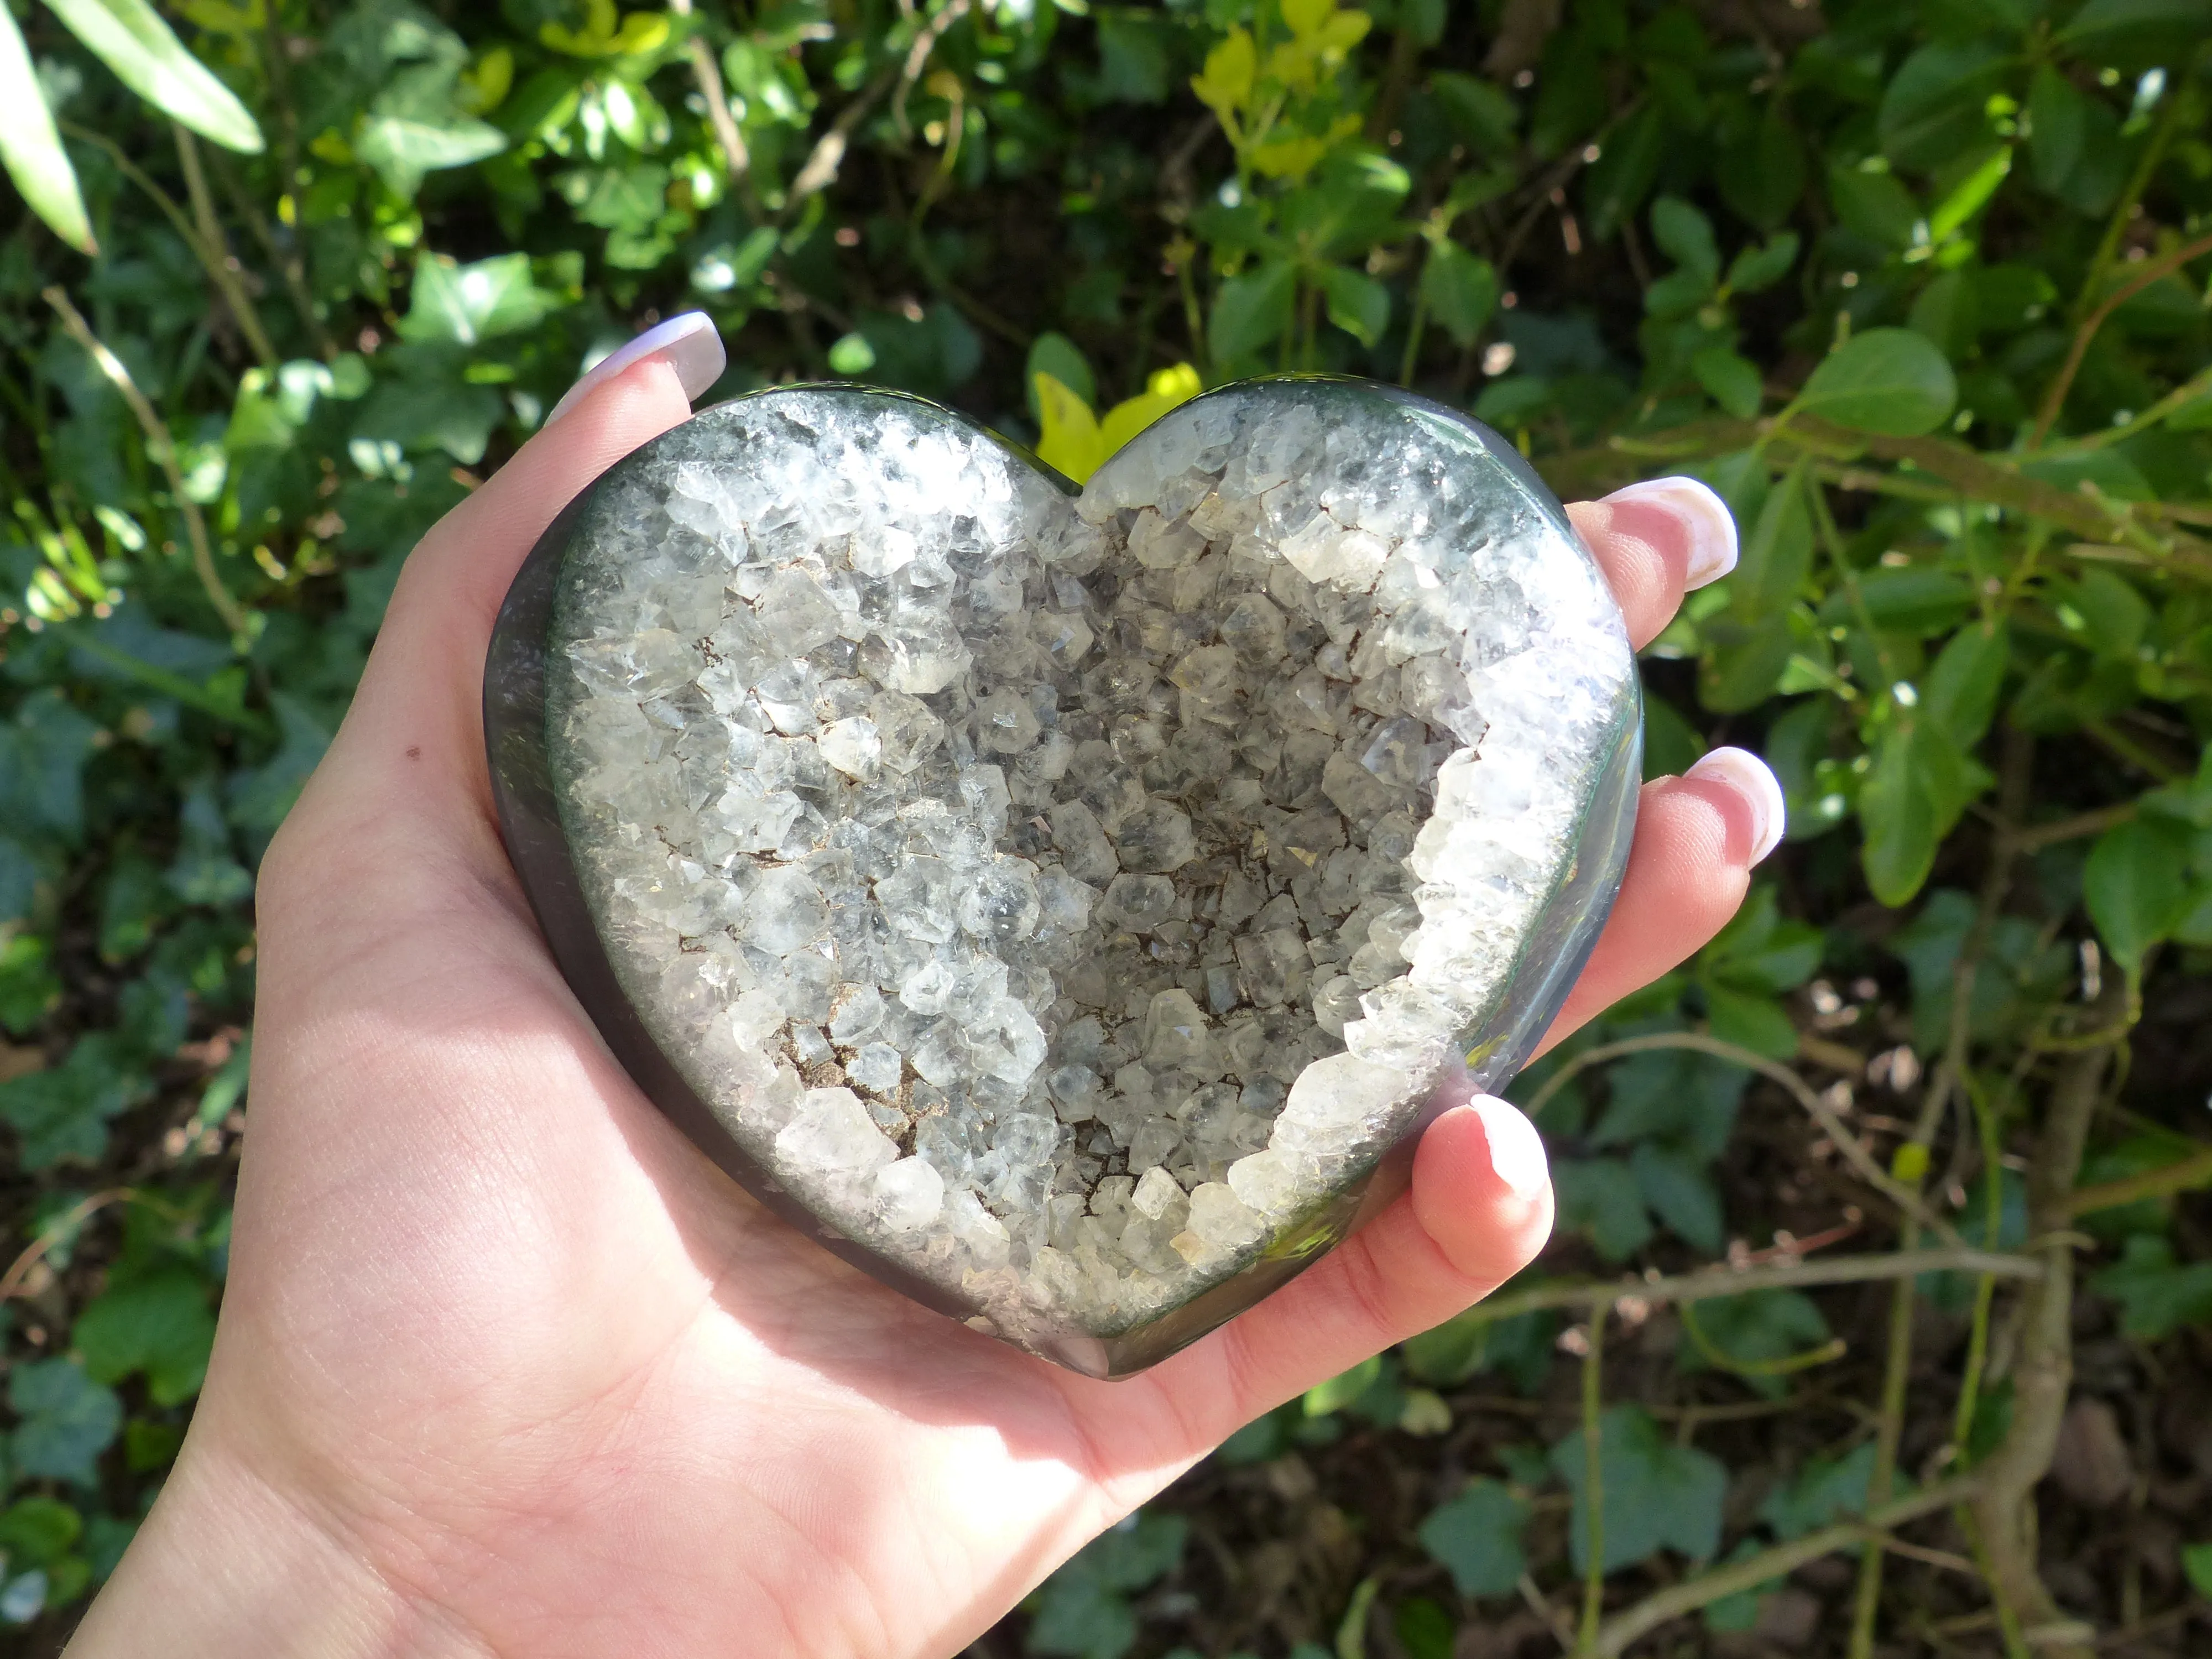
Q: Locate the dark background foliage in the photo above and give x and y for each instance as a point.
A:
(1920, 288)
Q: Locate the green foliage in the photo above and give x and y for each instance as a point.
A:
(1656, 1495)
(1845, 274)
(1476, 1537)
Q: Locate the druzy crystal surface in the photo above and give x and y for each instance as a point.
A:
(1068, 900)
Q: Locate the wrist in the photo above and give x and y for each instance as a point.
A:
(230, 1563)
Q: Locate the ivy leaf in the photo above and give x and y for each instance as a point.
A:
(1681, 1194)
(1476, 1537)
(467, 304)
(32, 151)
(62, 1113)
(129, 37)
(1251, 311)
(2136, 885)
(1889, 381)
(1083, 1611)
(64, 1420)
(1357, 303)
(402, 149)
(1755, 1328)
(160, 1325)
(43, 752)
(1825, 1489)
(1460, 289)
(2157, 1297)
(1599, 1196)
(1657, 1495)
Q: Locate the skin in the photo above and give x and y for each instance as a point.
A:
(504, 1366)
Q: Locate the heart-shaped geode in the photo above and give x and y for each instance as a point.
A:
(1062, 904)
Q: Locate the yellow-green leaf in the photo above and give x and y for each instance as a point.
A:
(129, 37)
(1071, 442)
(32, 151)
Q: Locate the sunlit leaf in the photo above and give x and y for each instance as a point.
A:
(1887, 380)
(129, 37)
(32, 151)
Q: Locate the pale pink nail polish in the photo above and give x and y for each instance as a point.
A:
(1711, 526)
(689, 342)
(1752, 777)
(1516, 1150)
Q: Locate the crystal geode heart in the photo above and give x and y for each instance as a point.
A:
(1063, 903)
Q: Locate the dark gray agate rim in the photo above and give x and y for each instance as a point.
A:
(519, 757)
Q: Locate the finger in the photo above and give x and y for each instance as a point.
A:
(1478, 1211)
(1697, 838)
(1656, 541)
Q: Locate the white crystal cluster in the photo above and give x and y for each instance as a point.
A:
(1063, 898)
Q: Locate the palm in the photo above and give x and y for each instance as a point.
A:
(560, 1387)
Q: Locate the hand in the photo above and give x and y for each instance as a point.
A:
(506, 1366)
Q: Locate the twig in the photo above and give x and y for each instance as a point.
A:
(1853, 1149)
(11, 1282)
(708, 74)
(1625, 1629)
(215, 251)
(2123, 210)
(2035, 837)
(211, 259)
(2193, 1171)
(163, 449)
(1554, 1620)
(1708, 1282)
(917, 59)
(1593, 1482)
(2043, 1374)
(2153, 271)
(819, 170)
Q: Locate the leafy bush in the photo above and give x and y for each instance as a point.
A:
(1917, 288)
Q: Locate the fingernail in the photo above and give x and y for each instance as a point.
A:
(1706, 517)
(1516, 1150)
(1752, 777)
(689, 342)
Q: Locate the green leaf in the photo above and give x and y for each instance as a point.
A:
(1599, 1197)
(64, 1420)
(32, 151)
(1460, 289)
(1757, 269)
(1961, 691)
(1743, 662)
(1680, 1192)
(1777, 555)
(2132, 34)
(62, 1113)
(1357, 303)
(1657, 1495)
(1756, 1328)
(2156, 1296)
(467, 304)
(2197, 1566)
(1053, 353)
(1825, 1490)
(1732, 380)
(37, 1531)
(1914, 793)
(1343, 1388)
(1251, 311)
(160, 1325)
(402, 149)
(1969, 195)
(1761, 173)
(1685, 235)
(129, 37)
(1476, 1537)
(1678, 1096)
(1082, 1612)
(1933, 107)
(2136, 885)
(1425, 1630)
(1874, 204)
(43, 752)
(2058, 126)
(1752, 1021)
(1889, 381)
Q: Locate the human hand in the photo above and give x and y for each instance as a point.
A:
(505, 1365)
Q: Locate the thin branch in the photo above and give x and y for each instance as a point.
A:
(211, 261)
(1708, 1282)
(1620, 1633)
(2153, 271)
(708, 74)
(1593, 1481)
(163, 449)
(215, 251)
(917, 59)
(2189, 1173)
(1853, 1149)
(11, 1283)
